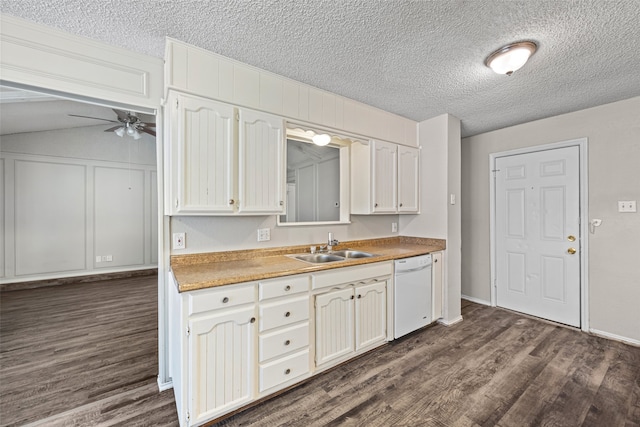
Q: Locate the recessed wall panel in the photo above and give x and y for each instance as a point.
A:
(50, 227)
(119, 216)
(552, 168)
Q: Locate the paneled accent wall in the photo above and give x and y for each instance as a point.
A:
(66, 216)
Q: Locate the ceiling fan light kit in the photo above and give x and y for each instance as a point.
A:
(511, 57)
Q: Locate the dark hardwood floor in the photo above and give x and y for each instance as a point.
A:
(82, 354)
(86, 354)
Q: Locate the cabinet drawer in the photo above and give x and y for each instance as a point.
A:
(284, 312)
(222, 297)
(356, 274)
(281, 287)
(283, 370)
(285, 341)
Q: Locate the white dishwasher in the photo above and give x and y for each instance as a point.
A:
(412, 294)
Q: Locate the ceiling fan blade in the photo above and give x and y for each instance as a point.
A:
(113, 128)
(123, 116)
(94, 118)
(148, 125)
(149, 131)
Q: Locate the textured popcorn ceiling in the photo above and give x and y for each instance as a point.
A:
(418, 59)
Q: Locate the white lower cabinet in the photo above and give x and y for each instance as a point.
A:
(284, 333)
(221, 362)
(353, 317)
(235, 344)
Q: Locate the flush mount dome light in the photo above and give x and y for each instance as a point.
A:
(321, 139)
(511, 58)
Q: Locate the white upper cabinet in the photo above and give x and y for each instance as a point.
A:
(261, 155)
(202, 143)
(408, 179)
(383, 176)
(223, 160)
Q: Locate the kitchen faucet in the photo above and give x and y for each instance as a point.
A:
(331, 242)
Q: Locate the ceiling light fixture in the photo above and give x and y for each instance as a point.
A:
(511, 58)
(321, 139)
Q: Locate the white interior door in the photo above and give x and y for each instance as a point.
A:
(538, 234)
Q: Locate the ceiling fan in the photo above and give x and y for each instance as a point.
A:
(127, 124)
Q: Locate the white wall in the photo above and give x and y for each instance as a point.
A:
(439, 139)
(613, 132)
(72, 195)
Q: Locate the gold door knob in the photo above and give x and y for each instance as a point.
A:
(571, 251)
(571, 238)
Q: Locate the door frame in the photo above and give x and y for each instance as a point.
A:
(582, 144)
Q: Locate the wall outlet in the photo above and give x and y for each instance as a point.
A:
(108, 258)
(264, 234)
(627, 206)
(179, 241)
(394, 227)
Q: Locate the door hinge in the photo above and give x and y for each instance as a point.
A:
(237, 116)
(177, 103)
(494, 172)
(177, 203)
(188, 331)
(187, 416)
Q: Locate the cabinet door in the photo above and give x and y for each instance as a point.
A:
(203, 171)
(385, 177)
(408, 179)
(334, 325)
(261, 154)
(371, 314)
(222, 366)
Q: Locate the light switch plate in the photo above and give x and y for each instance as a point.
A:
(627, 206)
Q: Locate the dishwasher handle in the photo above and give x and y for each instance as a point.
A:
(411, 270)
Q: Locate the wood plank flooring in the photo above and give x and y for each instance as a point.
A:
(82, 354)
(86, 354)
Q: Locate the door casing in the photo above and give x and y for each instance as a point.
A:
(582, 144)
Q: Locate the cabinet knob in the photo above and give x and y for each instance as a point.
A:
(375, 205)
(359, 296)
(281, 203)
(252, 320)
(287, 288)
(225, 300)
(400, 204)
(287, 342)
(287, 372)
(287, 314)
(435, 260)
(231, 201)
(351, 296)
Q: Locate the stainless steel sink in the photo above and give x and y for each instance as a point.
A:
(319, 258)
(348, 253)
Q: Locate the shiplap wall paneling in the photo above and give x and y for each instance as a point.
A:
(119, 216)
(50, 228)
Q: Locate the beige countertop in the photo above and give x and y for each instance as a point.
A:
(206, 270)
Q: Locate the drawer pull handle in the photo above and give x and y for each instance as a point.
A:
(253, 320)
(287, 342)
(225, 300)
(287, 314)
(287, 288)
(287, 372)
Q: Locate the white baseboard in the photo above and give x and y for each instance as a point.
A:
(450, 322)
(164, 386)
(615, 337)
(476, 300)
